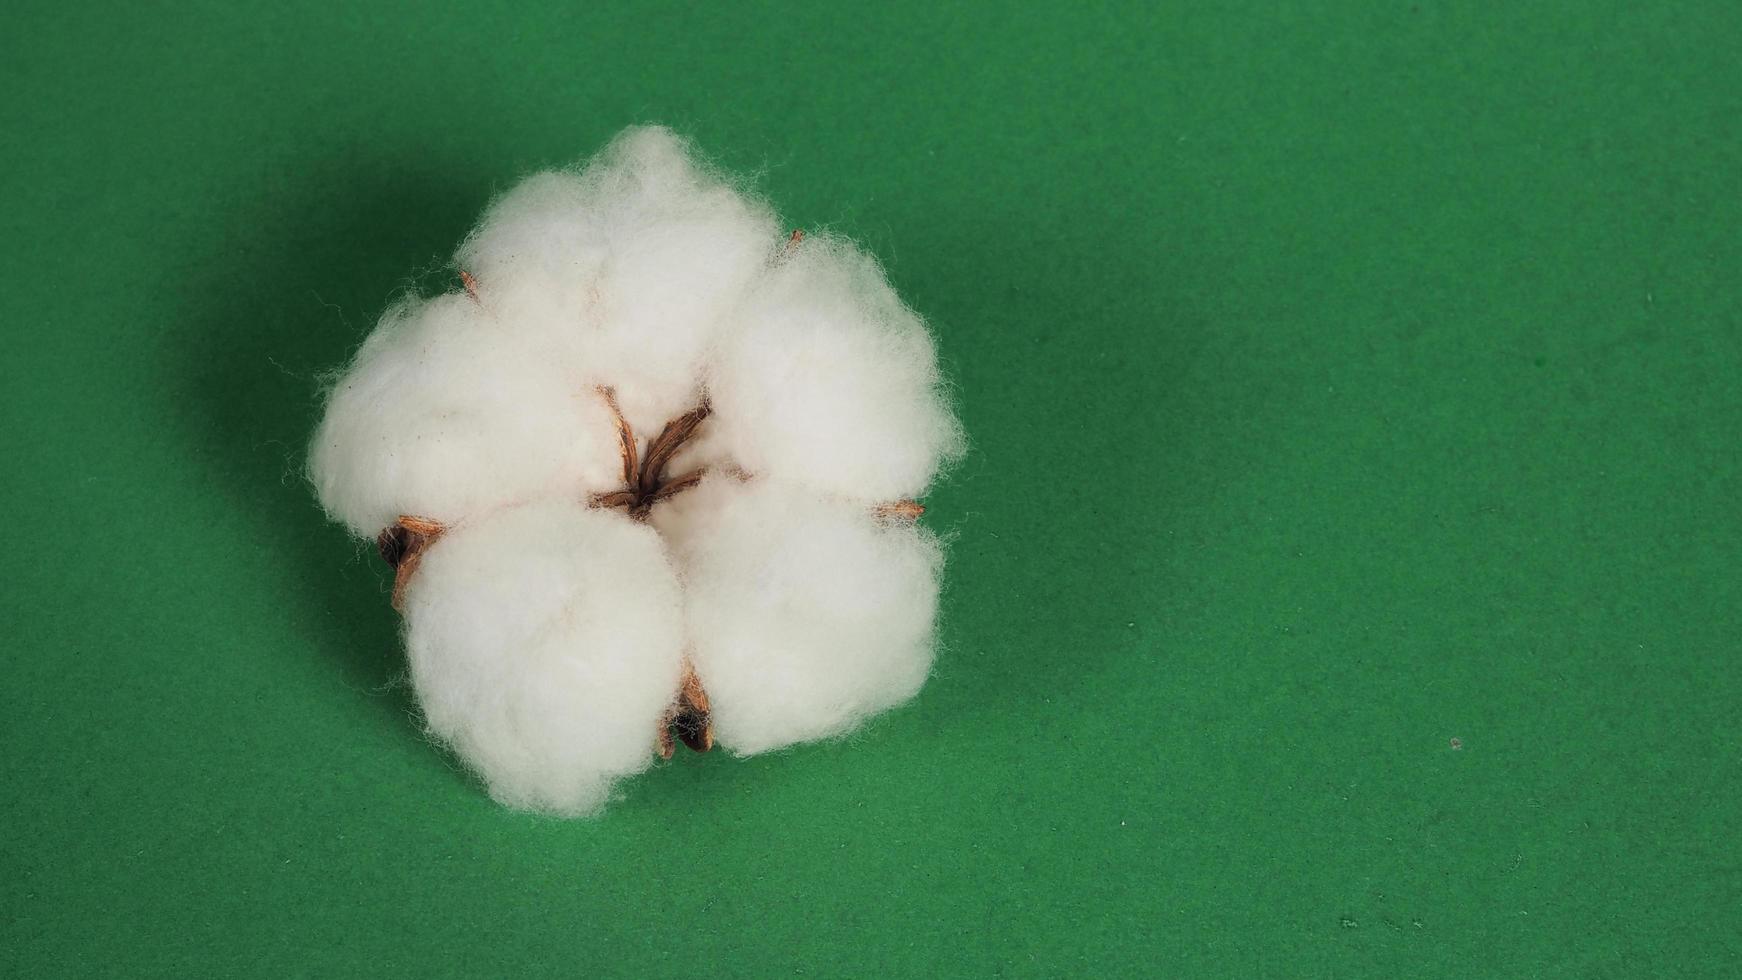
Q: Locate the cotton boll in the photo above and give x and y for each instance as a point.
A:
(545, 645)
(634, 261)
(807, 615)
(548, 631)
(442, 414)
(827, 379)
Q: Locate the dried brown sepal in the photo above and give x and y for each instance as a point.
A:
(678, 484)
(666, 445)
(625, 435)
(392, 543)
(694, 729)
(615, 498)
(790, 246)
(402, 547)
(644, 482)
(901, 510)
(696, 722)
(689, 719)
(422, 525)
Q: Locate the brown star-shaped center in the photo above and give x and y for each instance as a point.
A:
(644, 482)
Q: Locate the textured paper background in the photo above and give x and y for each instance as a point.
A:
(1341, 383)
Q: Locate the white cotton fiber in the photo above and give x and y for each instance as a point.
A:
(562, 617)
(443, 414)
(827, 379)
(634, 261)
(545, 643)
(806, 615)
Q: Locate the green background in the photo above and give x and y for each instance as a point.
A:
(1341, 384)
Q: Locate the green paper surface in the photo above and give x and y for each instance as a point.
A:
(1343, 578)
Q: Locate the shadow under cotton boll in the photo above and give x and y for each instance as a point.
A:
(302, 271)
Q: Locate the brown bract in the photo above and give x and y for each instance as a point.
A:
(689, 717)
(644, 482)
(402, 547)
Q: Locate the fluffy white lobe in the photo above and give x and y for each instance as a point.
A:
(827, 379)
(806, 614)
(545, 642)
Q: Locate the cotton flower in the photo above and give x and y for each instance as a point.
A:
(650, 474)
